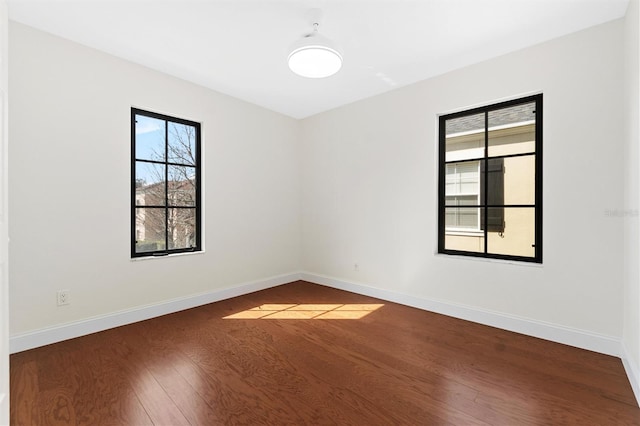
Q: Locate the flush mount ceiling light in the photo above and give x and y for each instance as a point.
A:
(315, 56)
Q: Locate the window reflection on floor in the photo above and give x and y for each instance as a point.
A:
(308, 311)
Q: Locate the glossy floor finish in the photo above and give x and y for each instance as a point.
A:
(303, 354)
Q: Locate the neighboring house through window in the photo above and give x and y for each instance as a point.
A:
(490, 181)
(463, 189)
(165, 188)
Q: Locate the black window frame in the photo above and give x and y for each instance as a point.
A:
(486, 226)
(167, 205)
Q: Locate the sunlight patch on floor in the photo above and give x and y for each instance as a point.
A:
(308, 311)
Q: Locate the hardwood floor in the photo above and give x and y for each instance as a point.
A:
(378, 365)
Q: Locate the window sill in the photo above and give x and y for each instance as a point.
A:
(489, 260)
(187, 253)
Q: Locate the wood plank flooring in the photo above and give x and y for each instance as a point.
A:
(354, 363)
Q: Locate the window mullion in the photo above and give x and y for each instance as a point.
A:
(484, 170)
(166, 185)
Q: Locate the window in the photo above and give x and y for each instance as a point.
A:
(490, 181)
(165, 184)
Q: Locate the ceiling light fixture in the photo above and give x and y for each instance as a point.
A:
(315, 56)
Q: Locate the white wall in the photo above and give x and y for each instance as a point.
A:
(631, 327)
(70, 185)
(370, 192)
(4, 282)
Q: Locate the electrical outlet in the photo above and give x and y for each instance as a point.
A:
(63, 297)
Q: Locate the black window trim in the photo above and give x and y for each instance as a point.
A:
(198, 204)
(537, 258)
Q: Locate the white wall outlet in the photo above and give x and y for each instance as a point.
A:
(63, 297)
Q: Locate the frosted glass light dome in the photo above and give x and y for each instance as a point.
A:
(315, 56)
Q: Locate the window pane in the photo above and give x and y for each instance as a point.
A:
(150, 188)
(182, 144)
(464, 125)
(182, 186)
(462, 218)
(474, 243)
(150, 141)
(492, 181)
(492, 194)
(182, 225)
(520, 180)
(150, 229)
(518, 236)
(462, 178)
(512, 130)
(464, 137)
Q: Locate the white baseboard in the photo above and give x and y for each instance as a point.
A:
(632, 370)
(557, 333)
(58, 333)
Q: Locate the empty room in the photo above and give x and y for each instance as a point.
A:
(301, 212)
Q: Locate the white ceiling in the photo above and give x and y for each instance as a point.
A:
(239, 47)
